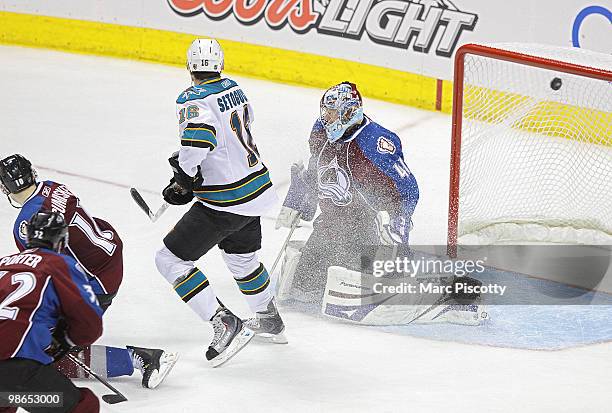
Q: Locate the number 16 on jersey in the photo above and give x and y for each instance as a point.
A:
(246, 139)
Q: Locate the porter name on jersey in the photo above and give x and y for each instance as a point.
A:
(30, 260)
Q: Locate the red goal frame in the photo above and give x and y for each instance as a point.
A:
(499, 54)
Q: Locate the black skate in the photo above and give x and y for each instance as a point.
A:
(268, 325)
(154, 364)
(231, 335)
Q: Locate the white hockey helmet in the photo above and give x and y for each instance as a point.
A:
(341, 109)
(205, 55)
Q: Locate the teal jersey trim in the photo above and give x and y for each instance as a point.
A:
(199, 135)
(202, 91)
(238, 191)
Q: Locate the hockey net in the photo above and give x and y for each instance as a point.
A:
(531, 157)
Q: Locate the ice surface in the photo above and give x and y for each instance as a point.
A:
(112, 120)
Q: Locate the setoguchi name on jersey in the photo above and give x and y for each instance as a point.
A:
(215, 131)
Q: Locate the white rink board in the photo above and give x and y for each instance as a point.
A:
(356, 30)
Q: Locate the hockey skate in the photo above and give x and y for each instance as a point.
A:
(230, 336)
(268, 325)
(154, 364)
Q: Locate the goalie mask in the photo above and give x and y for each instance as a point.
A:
(341, 109)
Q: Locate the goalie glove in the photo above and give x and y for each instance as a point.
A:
(300, 200)
(286, 217)
(391, 231)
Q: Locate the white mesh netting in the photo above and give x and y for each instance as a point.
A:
(536, 150)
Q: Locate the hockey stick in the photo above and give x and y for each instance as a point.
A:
(294, 225)
(143, 205)
(108, 398)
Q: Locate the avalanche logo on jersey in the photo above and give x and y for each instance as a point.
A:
(334, 183)
(385, 146)
(23, 230)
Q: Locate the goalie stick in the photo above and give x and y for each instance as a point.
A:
(115, 398)
(143, 205)
(294, 225)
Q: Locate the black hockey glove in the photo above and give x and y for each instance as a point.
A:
(105, 300)
(185, 181)
(175, 195)
(61, 344)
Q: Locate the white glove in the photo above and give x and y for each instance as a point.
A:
(286, 217)
(386, 235)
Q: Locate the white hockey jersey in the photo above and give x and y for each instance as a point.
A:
(214, 128)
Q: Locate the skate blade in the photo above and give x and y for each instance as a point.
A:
(166, 364)
(242, 339)
(280, 338)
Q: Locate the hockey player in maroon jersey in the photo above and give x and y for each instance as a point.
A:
(366, 193)
(96, 246)
(38, 287)
(358, 177)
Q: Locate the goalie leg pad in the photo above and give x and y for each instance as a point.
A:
(349, 296)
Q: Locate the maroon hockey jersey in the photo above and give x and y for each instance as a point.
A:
(93, 242)
(37, 287)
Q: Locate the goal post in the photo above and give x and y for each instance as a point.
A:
(531, 152)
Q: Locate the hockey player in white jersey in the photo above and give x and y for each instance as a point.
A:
(218, 164)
